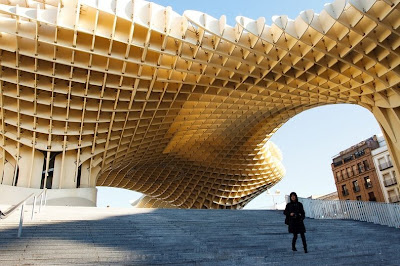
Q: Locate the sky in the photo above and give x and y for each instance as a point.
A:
(308, 141)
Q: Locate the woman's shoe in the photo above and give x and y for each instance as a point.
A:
(294, 249)
(305, 250)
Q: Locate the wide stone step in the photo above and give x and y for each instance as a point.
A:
(67, 235)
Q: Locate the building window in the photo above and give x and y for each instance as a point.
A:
(348, 171)
(371, 196)
(366, 165)
(345, 192)
(358, 198)
(386, 176)
(383, 164)
(337, 176)
(360, 168)
(356, 187)
(343, 174)
(388, 180)
(367, 182)
(393, 197)
(354, 167)
(381, 161)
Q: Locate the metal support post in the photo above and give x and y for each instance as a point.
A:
(33, 207)
(41, 202)
(21, 220)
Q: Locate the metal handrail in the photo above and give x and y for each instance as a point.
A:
(373, 212)
(43, 199)
(44, 192)
(13, 208)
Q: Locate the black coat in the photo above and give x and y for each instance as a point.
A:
(296, 224)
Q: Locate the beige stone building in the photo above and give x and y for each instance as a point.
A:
(331, 196)
(386, 172)
(179, 107)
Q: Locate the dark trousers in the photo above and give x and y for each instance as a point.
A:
(303, 239)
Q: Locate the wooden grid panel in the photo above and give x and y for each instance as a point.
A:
(181, 108)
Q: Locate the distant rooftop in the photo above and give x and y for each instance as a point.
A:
(371, 142)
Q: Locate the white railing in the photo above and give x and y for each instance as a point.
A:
(373, 212)
(43, 200)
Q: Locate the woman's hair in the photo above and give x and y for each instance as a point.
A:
(290, 197)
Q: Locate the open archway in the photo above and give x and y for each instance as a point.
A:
(308, 143)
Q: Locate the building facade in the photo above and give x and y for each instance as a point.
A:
(355, 174)
(386, 172)
(331, 196)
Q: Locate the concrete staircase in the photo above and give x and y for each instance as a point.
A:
(84, 235)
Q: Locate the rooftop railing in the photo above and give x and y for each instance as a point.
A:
(22, 204)
(373, 212)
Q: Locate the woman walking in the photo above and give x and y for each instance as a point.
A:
(295, 215)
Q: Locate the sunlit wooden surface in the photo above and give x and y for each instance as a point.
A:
(131, 94)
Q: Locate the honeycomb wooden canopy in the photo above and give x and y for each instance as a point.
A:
(131, 94)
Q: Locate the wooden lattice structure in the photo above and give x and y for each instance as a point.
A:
(180, 107)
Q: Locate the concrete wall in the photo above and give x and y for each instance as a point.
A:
(10, 195)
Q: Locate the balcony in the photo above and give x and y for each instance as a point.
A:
(359, 154)
(336, 164)
(389, 182)
(384, 166)
(368, 185)
(345, 192)
(394, 199)
(348, 159)
(356, 189)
